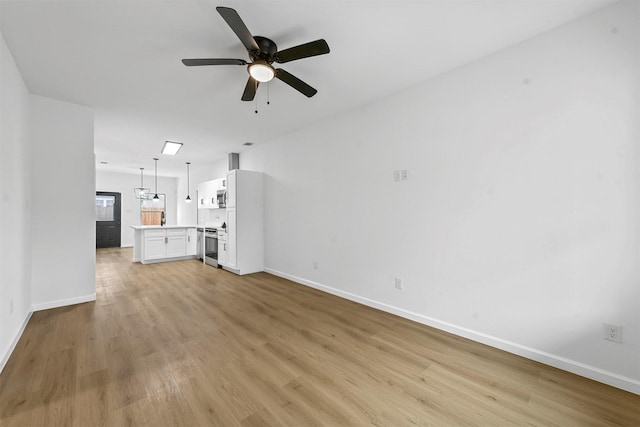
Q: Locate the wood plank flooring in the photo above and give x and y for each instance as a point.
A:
(185, 344)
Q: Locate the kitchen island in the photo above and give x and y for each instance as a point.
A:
(155, 243)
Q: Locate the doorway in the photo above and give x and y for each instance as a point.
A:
(107, 219)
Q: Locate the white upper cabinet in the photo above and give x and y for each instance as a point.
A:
(207, 193)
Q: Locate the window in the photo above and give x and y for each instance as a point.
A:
(152, 211)
(104, 208)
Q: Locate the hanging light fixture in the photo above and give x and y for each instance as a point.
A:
(188, 199)
(156, 198)
(261, 70)
(141, 191)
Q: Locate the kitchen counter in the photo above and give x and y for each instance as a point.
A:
(161, 243)
(149, 227)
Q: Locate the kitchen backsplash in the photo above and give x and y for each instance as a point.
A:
(211, 217)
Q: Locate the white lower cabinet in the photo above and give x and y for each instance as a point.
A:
(223, 253)
(192, 242)
(154, 247)
(176, 246)
(167, 244)
(231, 245)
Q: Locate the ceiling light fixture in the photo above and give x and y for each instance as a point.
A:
(261, 70)
(171, 148)
(188, 199)
(156, 198)
(141, 191)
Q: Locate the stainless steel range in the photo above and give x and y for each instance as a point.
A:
(208, 245)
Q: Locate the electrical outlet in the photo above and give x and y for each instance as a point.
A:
(315, 265)
(10, 306)
(612, 333)
(398, 283)
(405, 174)
(397, 176)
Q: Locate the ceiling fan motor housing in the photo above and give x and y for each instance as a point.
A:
(268, 49)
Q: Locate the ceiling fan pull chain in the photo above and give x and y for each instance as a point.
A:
(268, 86)
(256, 100)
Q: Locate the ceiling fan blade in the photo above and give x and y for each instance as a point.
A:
(250, 89)
(295, 83)
(318, 47)
(232, 19)
(213, 61)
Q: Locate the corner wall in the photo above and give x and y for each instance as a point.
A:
(63, 203)
(15, 226)
(518, 224)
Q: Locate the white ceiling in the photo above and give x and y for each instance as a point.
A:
(123, 59)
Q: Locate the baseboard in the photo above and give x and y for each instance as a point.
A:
(64, 302)
(39, 307)
(7, 355)
(159, 260)
(584, 370)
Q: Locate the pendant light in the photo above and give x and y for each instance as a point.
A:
(141, 191)
(188, 199)
(156, 198)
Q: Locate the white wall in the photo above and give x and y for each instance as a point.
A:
(63, 203)
(518, 225)
(124, 183)
(15, 171)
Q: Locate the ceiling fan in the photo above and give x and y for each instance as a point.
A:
(263, 52)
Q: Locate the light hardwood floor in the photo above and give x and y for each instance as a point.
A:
(185, 344)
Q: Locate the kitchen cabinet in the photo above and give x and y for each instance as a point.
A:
(245, 235)
(176, 243)
(164, 243)
(159, 244)
(154, 246)
(232, 239)
(232, 178)
(192, 241)
(223, 248)
(207, 195)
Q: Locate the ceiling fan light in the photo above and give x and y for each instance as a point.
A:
(261, 71)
